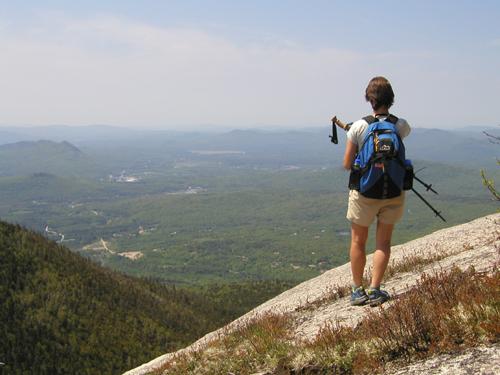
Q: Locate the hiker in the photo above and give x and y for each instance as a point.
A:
(383, 200)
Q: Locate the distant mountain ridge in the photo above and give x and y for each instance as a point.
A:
(44, 156)
(466, 146)
(41, 144)
(59, 133)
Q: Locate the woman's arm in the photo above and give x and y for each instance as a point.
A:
(350, 153)
(403, 128)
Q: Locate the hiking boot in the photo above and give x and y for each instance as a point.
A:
(376, 296)
(358, 296)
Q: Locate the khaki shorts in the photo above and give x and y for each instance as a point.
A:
(362, 210)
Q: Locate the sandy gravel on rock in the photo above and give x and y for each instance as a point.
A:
(483, 360)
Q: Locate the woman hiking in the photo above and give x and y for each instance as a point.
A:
(386, 204)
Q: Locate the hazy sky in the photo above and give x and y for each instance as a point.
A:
(187, 64)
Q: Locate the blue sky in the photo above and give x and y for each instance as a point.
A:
(190, 64)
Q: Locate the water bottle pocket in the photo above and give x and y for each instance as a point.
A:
(355, 178)
(408, 179)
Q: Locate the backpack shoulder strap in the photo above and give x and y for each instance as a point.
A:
(370, 119)
(392, 119)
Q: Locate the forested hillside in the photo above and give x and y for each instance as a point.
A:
(63, 314)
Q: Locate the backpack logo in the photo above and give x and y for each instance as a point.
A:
(385, 148)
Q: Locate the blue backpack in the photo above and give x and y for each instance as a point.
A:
(380, 167)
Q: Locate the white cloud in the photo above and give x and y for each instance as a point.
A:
(116, 71)
(109, 70)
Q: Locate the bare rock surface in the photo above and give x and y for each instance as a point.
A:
(476, 243)
(484, 360)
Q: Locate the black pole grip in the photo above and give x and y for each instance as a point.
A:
(334, 137)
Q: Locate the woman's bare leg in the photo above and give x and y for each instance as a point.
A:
(382, 253)
(359, 235)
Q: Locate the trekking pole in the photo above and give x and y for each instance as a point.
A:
(438, 213)
(427, 186)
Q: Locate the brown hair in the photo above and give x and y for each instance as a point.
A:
(379, 93)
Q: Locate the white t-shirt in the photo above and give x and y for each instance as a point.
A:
(357, 132)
